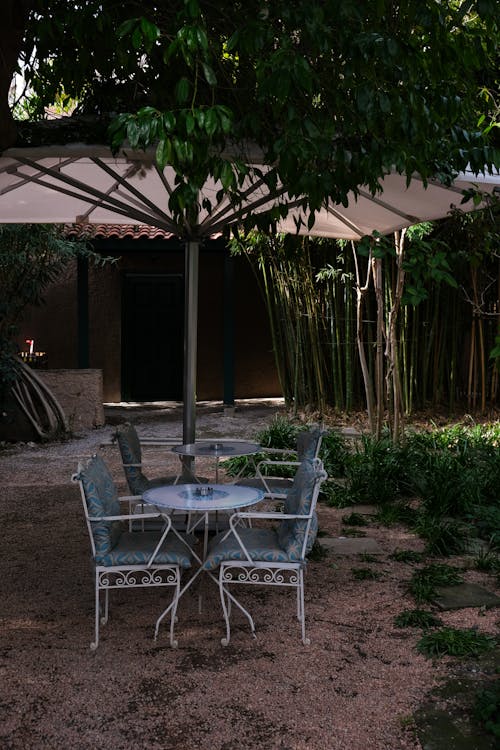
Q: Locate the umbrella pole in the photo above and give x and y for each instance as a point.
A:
(192, 253)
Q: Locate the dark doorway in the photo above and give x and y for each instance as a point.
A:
(152, 337)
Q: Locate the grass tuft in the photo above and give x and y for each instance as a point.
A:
(455, 642)
(365, 574)
(407, 556)
(416, 618)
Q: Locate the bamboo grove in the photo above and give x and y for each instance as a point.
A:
(392, 325)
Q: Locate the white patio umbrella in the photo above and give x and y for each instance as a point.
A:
(78, 183)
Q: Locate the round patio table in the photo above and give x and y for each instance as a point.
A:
(200, 499)
(217, 450)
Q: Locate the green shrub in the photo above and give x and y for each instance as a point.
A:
(487, 708)
(487, 562)
(281, 433)
(398, 512)
(443, 536)
(374, 472)
(486, 520)
(422, 585)
(407, 556)
(416, 618)
(455, 642)
(334, 453)
(365, 574)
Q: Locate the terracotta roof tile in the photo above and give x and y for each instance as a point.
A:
(116, 231)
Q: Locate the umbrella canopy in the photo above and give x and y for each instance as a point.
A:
(78, 183)
(94, 186)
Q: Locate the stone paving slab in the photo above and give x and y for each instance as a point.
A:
(465, 595)
(351, 545)
(363, 510)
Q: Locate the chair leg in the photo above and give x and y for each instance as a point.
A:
(227, 599)
(173, 617)
(105, 616)
(97, 615)
(302, 617)
(226, 608)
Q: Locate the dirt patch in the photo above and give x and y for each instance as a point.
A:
(354, 688)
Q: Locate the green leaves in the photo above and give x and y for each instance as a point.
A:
(143, 33)
(332, 93)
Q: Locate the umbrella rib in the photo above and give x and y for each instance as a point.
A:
(101, 202)
(14, 170)
(130, 188)
(101, 198)
(408, 217)
(438, 184)
(226, 208)
(169, 190)
(345, 221)
(216, 227)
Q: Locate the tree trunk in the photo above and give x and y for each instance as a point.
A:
(13, 18)
(393, 375)
(360, 295)
(380, 335)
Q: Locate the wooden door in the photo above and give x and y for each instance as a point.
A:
(152, 337)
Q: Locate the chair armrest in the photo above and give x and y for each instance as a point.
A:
(268, 516)
(265, 477)
(269, 462)
(271, 514)
(123, 517)
(282, 451)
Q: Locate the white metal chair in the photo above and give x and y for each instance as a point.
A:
(270, 556)
(123, 558)
(275, 487)
(131, 452)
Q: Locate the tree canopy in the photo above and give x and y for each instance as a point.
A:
(334, 94)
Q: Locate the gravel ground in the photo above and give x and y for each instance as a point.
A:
(354, 688)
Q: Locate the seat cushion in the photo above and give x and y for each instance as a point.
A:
(136, 548)
(102, 500)
(298, 501)
(262, 545)
(307, 443)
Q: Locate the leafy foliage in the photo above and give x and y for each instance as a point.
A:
(193, 79)
(423, 581)
(31, 257)
(455, 642)
(416, 618)
(406, 556)
(487, 708)
(365, 574)
(375, 472)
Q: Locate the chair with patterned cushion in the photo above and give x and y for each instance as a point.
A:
(273, 556)
(276, 487)
(123, 558)
(131, 452)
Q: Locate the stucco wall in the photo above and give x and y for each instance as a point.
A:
(80, 394)
(54, 324)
